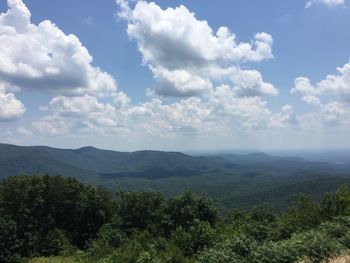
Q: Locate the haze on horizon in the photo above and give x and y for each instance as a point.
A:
(175, 75)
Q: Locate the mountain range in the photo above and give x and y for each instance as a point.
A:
(232, 179)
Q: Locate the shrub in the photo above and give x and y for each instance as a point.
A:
(9, 244)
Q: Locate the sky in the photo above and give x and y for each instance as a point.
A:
(175, 75)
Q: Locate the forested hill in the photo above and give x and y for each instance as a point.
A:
(233, 180)
(75, 223)
(90, 164)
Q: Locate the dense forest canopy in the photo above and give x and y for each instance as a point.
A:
(44, 216)
(232, 180)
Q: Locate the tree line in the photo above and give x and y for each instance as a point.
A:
(45, 216)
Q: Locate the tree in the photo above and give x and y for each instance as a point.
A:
(9, 244)
(140, 211)
(185, 209)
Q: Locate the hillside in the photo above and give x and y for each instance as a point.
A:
(90, 163)
(233, 180)
(58, 219)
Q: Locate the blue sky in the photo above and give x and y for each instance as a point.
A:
(164, 77)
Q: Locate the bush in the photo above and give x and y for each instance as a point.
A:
(9, 244)
(183, 210)
(315, 245)
(197, 237)
(236, 248)
(56, 243)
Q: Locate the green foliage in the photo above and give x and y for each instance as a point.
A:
(198, 236)
(40, 206)
(9, 244)
(233, 180)
(301, 216)
(342, 196)
(55, 260)
(140, 211)
(183, 210)
(55, 243)
(56, 216)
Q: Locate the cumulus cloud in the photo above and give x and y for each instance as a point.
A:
(186, 58)
(223, 112)
(308, 93)
(162, 119)
(52, 126)
(284, 119)
(180, 50)
(328, 3)
(245, 83)
(175, 38)
(336, 85)
(43, 58)
(335, 113)
(334, 91)
(331, 115)
(76, 106)
(10, 107)
(179, 83)
(24, 131)
(84, 114)
(79, 112)
(220, 113)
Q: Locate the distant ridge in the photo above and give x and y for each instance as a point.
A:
(234, 180)
(91, 164)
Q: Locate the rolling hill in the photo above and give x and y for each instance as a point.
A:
(91, 163)
(234, 180)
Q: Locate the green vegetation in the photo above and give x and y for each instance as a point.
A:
(57, 219)
(231, 180)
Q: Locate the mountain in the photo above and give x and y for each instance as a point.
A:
(233, 180)
(89, 162)
(284, 165)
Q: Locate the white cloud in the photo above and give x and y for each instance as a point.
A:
(156, 118)
(181, 50)
(202, 108)
(283, 119)
(83, 114)
(175, 38)
(331, 115)
(10, 107)
(338, 85)
(303, 87)
(24, 131)
(75, 106)
(121, 100)
(84, 109)
(52, 126)
(335, 113)
(328, 3)
(187, 58)
(335, 85)
(6, 136)
(246, 83)
(42, 57)
(249, 112)
(223, 112)
(179, 83)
